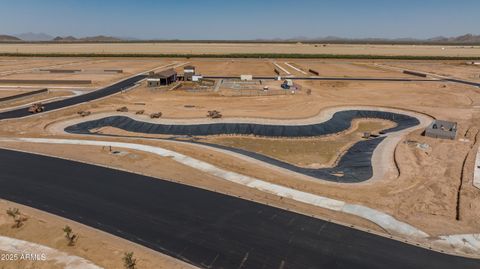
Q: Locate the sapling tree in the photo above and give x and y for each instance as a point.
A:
(128, 261)
(70, 236)
(17, 217)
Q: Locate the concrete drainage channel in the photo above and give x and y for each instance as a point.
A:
(354, 166)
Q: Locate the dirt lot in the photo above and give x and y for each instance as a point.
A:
(459, 69)
(305, 152)
(7, 93)
(34, 98)
(234, 67)
(424, 195)
(454, 102)
(223, 48)
(91, 69)
(349, 69)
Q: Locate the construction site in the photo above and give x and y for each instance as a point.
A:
(247, 155)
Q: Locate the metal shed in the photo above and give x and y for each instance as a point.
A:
(162, 78)
(442, 129)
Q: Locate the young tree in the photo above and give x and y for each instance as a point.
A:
(71, 237)
(17, 216)
(128, 261)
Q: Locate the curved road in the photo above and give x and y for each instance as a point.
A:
(203, 228)
(109, 90)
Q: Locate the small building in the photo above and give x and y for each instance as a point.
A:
(442, 129)
(188, 72)
(196, 78)
(153, 82)
(162, 78)
(246, 77)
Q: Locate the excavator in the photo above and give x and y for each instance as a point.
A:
(36, 108)
(214, 114)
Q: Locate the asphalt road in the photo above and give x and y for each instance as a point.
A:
(206, 229)
(109, 90)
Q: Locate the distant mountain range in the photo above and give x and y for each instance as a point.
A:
(42, 37)
(99, 38)
(463, 39)
(34, 37)
(8, 38)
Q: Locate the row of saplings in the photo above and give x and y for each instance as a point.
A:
(129, 262)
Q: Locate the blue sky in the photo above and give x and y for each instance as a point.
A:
(245, 19)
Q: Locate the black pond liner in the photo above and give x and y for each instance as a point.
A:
(354, 166)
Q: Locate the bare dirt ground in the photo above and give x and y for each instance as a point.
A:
(34, 98)
(233, 67)
(455, 102)
(424, 194)
(458, 69)
(7, 93)
(228, 48)
(21, 64)
(91, 69)
(348, 69)
(305, 152)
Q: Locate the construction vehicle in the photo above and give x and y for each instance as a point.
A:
(287, 84)
(36, 108)
(214, 114)
(123, 109)
(156, 115)
(84, 113)
(140, 112)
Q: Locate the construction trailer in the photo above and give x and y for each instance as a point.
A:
(442, 129)
(162, 78)
(188, 72)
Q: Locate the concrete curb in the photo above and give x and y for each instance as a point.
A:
(476, 171)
